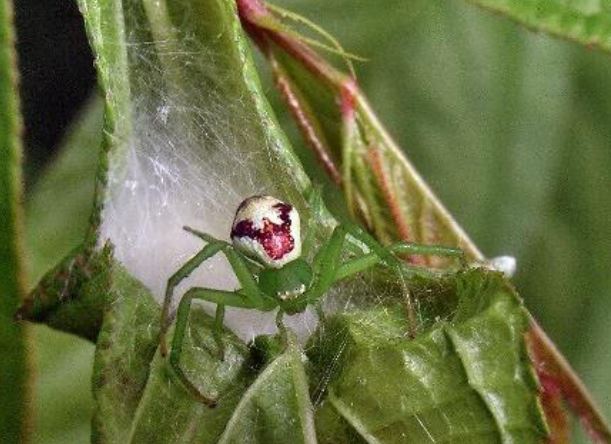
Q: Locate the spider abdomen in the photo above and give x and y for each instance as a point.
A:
(267, 230)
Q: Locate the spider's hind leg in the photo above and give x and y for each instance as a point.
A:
(182, 273)
(218, 330)
(411, 248)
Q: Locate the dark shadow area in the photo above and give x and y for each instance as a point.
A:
(56, 75)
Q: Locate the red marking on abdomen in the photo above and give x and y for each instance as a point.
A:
(275, 239)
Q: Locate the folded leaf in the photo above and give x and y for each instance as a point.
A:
(276, 408)
(466, 379)
(168, 412)
(188, 135)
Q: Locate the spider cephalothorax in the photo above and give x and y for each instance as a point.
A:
(267, 230)
(265, 255)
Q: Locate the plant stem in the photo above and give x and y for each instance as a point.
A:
(551, 365)
(15, 365)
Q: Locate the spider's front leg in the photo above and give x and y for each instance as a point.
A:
(213, 246)
(249, 296)
(328, 269)
(388, 255)
(211, 249)
(222, 299)
(325, 266)
(379, 253)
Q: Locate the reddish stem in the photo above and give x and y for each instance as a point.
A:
(250, 10)
(384, 183)
(348, 99)
(557, 375)
(254, 14)
(556, 414)
(298, 108)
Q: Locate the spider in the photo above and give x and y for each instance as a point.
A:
(266, 257)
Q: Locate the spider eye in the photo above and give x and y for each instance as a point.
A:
(267, 230)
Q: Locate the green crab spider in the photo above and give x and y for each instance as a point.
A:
(266, 257)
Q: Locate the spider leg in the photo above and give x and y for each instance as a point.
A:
(220, 297)
(363, 236)
(248, 297)
(325, 265)
(323, 271)
(328, 269)
(368, 260)
(356, 265)
(388, 253)
(280, 325)
(428, 250)
(250, 289)
(183, 272)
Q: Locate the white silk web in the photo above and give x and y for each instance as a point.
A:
(197, 147)
(196, 150)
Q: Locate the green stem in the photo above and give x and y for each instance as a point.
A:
(15, 363)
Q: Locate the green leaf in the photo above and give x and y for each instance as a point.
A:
(587, 22)
(125, 347)
(59, 205)
(198, 124)
(58, 211)
(133, 406)
(276, 408)
(463, 379)
(167, 412)
(14, 368)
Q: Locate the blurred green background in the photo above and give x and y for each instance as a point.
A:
(511, 128)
